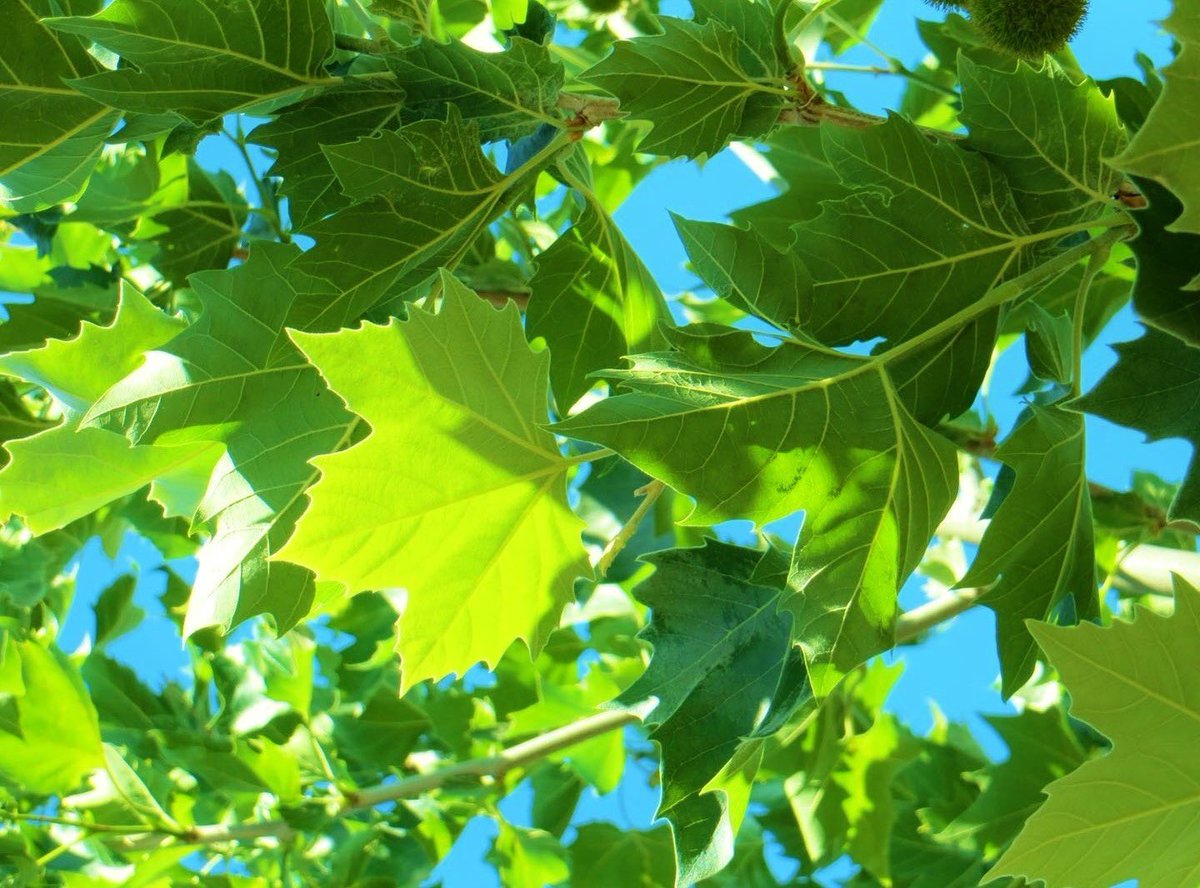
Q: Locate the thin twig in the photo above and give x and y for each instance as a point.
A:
(1085, 285)
(475, 771)
(365, 45)
(920, 620)
(651, 492)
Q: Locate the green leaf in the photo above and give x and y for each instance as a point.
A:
(60, 737)
(1030, 123)
(1129, 814)
(701, 85)
(870, 762)
(47, 156)
(1049, 345)
(593, 302)
(455, 443)
(528, 857)
(934, 227)
(1041, 748)
(1165, 293)
(415, 13)
(1154, 388)
(720, 647)
(95, 466)
(808, 179)
(746, 431)
(603, 855)
(382, 734)
(201, 59)
(1163, 148)
(506, 94)
(201, 232)
(423, 194)
(743, 268)
(1039, 547)
(299, 133)
(233, 378)
(116, 613)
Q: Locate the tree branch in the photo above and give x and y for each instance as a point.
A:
(480, 771)
(916, 622)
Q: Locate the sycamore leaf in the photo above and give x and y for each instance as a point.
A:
(233, 377)
(528, 857)
(594, 302)
(701, 85)
(1038, 549)
(934, 227)
(743, 268)
(604, 855)
(415, 13)
(506, 94)
(720, 649)
(1041, 748)
(1155, 388)
(1164, 148)
(1165, 292)
(59, 740)
(869, 765)
(805, 174)
(94, 467)
(299, 133)
(202, 231)
(455, 442)
(747, 432)
(204, 58)
(1130, 814)
(47, 156)
(1030, 122)
(424, 193)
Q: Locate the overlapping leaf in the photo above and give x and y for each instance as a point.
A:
(1132, 813)
(423, 195)
(932, 228)
(299, 133)
(1038, 549)
(233, 377)
(1155, 388)
(57, 741)
(506, 94)
(720, 650)
(701, 83)
(94, 467)
(1031, 124)
(204, 58)
(758, 433)
(53, 135)
(1165, 292)
(455, 443)
(594, 302)
(1041, 748)
(1164, 148)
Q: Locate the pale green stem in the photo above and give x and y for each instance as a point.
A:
(478, 771)
(651, 492)
(1081, 296)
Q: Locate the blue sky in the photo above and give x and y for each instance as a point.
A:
(957, 666)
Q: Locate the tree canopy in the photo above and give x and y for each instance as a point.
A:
(442, 478)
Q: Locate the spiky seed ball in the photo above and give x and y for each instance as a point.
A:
(1028, 28)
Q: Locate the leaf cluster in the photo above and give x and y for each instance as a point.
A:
(434, 483)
